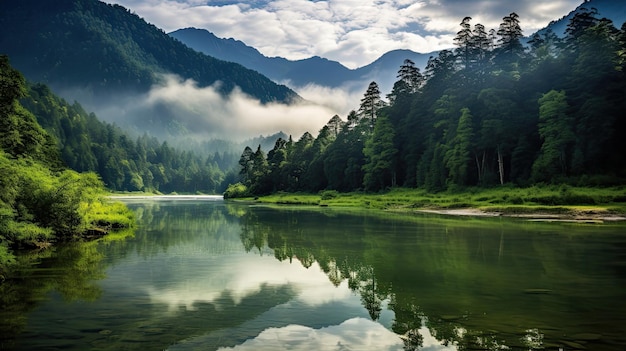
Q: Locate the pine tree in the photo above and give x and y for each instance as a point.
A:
(410, 80)
(380, 156)
(510, 46)
(555, 130)
(458, 155)
(465, 42)
(370, 104)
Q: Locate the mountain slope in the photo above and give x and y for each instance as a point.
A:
(323, 72)
(314, 70)
(611, 9)
(103, 50)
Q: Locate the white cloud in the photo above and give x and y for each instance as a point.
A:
(208, 114)
(353, 32)
(342, 100)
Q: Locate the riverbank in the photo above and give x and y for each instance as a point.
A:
(537, 203)
(573, 215)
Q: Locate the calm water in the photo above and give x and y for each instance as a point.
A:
(208, 275)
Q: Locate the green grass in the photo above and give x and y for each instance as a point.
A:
(508, 200)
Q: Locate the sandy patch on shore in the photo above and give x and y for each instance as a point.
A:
(587, 217)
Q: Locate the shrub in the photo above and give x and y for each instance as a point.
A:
(236, 190)
(329, 194)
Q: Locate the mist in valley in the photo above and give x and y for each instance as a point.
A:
(187, 115)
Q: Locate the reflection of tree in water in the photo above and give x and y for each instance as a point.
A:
(70, 269)
(407, 324)
(458, 277)
(366, 286)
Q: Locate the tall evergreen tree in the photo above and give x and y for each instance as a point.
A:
(409, 81)
(510, 32)
(465, 43)
(371, 103)
(583, 19)
(380, 153)
(458, 154)
(246, 163)
(555, 130)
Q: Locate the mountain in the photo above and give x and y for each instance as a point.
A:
(299, 73)
(324, 72)
(94, 51)
(611, 9)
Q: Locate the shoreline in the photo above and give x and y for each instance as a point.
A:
(575, 216)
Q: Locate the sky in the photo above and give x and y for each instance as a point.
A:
(352, 32)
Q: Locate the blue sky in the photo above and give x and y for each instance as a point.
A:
(353, 32)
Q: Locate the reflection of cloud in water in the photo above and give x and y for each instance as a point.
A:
(353, 334)
(239, 276)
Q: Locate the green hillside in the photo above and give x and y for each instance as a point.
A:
(105, 51)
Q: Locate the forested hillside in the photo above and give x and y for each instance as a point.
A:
(124, 163)
(492, 111)
(41, 201)
(104, 51)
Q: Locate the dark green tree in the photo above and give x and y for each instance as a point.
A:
(380, 154)
(555, 130)
(371, 103)
(510, 47)
(459, 151)
(465, 43)
(246, 163)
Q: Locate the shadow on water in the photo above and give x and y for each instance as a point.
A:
(204, 275)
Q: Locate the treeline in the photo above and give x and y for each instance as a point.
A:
(124, 164)
(492, 111)
(41, 201)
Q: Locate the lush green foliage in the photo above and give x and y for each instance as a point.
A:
(235, 191)
(40, 202)
(489, 113)
(144, 164)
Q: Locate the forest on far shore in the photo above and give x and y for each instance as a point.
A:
(492, 111)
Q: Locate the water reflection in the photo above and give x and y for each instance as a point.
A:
(473, 284)
(206, 275)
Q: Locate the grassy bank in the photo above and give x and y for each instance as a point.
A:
(560, 200)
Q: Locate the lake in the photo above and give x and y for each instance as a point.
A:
(204, 274)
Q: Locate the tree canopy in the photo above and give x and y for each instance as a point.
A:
(492, 111)
(40, 200)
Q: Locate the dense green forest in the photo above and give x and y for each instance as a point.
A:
(124, 164)
(494, 110)
(41, 201)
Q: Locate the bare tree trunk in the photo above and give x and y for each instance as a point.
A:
(480, 173)
(500, 166)
(480, 166)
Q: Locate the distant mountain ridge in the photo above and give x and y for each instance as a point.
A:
(101, 49)
(314, 70)
(611, 9)
(324, 72)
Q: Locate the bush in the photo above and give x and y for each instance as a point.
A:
(236, 190)
(329, 194)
